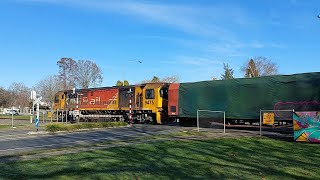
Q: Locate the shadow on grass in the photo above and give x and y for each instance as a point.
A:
(245, 158)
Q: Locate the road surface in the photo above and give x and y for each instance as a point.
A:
(18, 141)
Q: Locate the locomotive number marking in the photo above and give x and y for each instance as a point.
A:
(149, 102)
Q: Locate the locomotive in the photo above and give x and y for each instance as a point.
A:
(148, 103)
(158, 103)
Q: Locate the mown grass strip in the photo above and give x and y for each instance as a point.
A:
(241, 158)
(5, 126)
(54, 127)
(20, 117)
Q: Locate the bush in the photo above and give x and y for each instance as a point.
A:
(55, 127)
(72, 127)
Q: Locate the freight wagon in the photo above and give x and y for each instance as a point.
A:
(241, 99)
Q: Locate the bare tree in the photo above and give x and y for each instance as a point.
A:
(88, 74)
(171, 79)
(155, 79)
(19, 95)
(67, 69)
(48, 87)
(4, 97)
(81, 73)
(259, 66)
(168, 79)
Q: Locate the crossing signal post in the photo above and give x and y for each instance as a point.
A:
(130, 106)
(76, 112)
(36, 101)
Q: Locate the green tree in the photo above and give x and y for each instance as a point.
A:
(119, 83)
(228, 72)
(126, 83)
(251, 69)
(122, 83)
(155, 79)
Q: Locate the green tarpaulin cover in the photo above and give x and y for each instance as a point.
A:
(243, 98)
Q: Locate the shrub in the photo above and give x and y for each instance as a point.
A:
(55, 127)
(72, 127)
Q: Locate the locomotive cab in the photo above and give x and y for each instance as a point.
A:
(156, 99)
(59, 101)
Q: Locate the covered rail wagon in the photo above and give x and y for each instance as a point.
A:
(243, 98)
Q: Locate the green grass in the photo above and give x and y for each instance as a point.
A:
(244, 158)
(189, 133)
(5, 127)
(27, 117)
(54, 127)
(15, 117)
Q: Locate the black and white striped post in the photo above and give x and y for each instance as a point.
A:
(130, 107)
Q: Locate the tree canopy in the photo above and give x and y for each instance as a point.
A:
(88, 74)
(259, 66)
(80, 74)
(228, 72)
(67, 69)
(124, 83)
(168, 79)
(48, 87)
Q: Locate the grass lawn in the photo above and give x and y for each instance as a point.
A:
(244, 158)
(54, 127)
(15, 117)
(6, 127)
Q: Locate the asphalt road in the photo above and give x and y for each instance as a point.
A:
(19, 141)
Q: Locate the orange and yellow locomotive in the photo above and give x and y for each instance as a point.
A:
(144, 103)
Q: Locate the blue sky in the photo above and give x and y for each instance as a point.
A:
(190, 39)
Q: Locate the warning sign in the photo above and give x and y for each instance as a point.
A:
(268, 118)
(49, 115)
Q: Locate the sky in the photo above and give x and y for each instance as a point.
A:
(188, 39)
